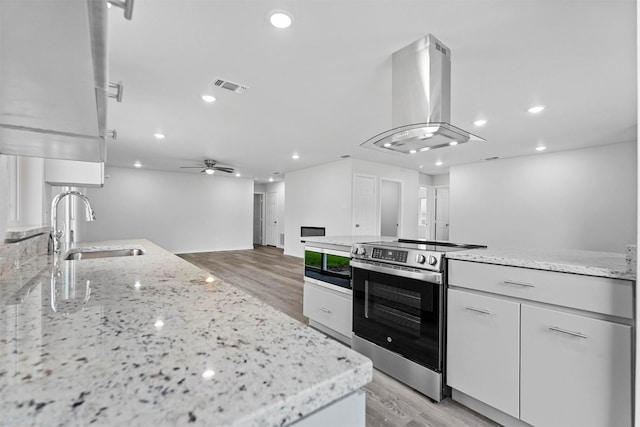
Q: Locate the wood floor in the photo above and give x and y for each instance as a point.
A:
(277, 279)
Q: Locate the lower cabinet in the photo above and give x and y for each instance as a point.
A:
(329, 307)
(538, 364)
(575, 370)
(483, 349)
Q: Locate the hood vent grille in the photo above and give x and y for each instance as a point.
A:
(233, 87)
(421, 101)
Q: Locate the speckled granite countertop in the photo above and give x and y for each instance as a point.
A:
(591, 263)
(346, 241)
(23, 232)
(146, 340)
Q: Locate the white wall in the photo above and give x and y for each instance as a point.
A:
(4, 195)
(318, 197)
(180, 212)
(580, 199)
(441, 180)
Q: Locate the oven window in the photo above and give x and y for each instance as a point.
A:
(399, 314)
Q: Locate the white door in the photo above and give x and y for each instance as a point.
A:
(390, 193)
(442, 213)
(258, 218)
(575, 370)
(364, 205)
(272, 219)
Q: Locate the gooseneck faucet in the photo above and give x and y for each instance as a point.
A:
(55, 233)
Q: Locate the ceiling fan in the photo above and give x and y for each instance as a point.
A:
(209, 167)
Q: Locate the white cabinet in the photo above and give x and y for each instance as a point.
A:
(73, 173)
(53, 84)
(575, 370)
(545, 348)
(330, 307)
(483, 349)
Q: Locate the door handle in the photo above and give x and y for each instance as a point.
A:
(357, 225)
(564, 331)
(478, 310)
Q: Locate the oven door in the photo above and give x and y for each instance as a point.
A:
(399, 310)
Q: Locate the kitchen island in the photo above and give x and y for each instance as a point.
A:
(153, 340)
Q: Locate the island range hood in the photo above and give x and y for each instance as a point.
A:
(421, 101)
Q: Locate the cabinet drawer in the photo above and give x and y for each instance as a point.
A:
(331, 308)
(483, 349)
(575, 370)
(596, 294)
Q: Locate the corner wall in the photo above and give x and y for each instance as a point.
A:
(579, 199)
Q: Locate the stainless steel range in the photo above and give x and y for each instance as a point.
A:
(399, 309)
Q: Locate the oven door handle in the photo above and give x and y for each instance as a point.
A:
(425, 276)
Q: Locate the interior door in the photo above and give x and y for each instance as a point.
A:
(364, 205)
(442, 213)
(390, 203)
(272, 219)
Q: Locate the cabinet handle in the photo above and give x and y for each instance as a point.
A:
(513, 282)
(112, 133)
(127, 5)
(326, 310)
(478, 310)
(564, 331)
(119, 87)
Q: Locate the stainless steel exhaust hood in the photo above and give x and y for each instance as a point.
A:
(421, 101)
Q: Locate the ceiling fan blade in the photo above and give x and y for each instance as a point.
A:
(190, 167)
(223, 169)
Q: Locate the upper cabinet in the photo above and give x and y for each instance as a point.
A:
(53, 79)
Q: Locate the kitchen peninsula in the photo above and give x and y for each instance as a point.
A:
(154, 340)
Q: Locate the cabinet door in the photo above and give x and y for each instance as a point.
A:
(331, 308)
(483, 349)
(575, 371)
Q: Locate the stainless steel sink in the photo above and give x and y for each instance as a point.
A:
(105, 253)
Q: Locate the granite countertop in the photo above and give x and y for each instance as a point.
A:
(591, 263)
(346, 241)
(148, 340)
(22, 232)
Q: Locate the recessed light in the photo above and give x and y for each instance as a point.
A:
(280, 19)
(208, 98)
(421, 166)
(159, 135)
(536, 109)
(412, 151)
(210, 279)
(108, 5)
(159, 324)
(387, 144)
(480, 122)
(137, 164)
(541, 148)
(425, 149)
(208, 374)
(238, 174)
(295, 156)
(453, 143)
(270, 179)
(438, 163)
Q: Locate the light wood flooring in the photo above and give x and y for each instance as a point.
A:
(277, 279)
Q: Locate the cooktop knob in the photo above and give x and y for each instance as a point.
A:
(420, 259)
(432, 260)
(361, 251)
(354, 250)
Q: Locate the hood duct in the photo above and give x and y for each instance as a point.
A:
(421, 101)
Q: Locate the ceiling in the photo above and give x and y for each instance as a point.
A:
(323, 86)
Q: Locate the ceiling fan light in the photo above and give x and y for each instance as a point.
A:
(209, 171)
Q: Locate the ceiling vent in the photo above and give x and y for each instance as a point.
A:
(233, 87)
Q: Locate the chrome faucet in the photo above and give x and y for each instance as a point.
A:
(56, 234)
